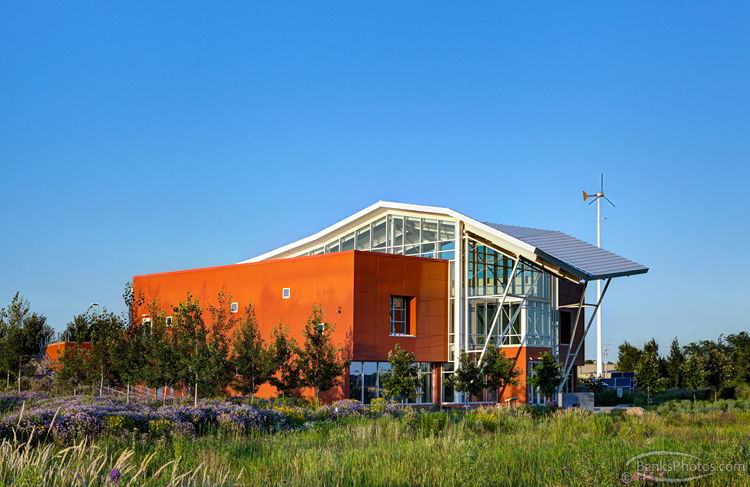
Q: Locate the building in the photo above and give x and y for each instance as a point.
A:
(429, 278)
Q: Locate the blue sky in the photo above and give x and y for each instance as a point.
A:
(141, 138)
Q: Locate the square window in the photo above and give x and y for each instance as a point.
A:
(285, 293)
(235, 307)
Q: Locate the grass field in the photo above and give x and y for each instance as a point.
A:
(519, 446)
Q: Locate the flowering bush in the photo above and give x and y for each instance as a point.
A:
(65, 419)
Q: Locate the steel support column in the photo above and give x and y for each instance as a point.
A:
(586, 332)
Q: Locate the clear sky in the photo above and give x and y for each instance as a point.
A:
(149, 137)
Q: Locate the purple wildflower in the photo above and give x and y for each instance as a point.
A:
(115, 476)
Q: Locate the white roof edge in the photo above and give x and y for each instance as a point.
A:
(389, 205)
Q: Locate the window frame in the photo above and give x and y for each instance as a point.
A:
(406, 300)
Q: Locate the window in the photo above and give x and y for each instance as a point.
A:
(400, 315)
(538, 323)
(169, 321)
(285, 293)
(365, 385)
(400, 235)
(235, 307)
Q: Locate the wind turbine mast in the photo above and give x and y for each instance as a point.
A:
(598, 196)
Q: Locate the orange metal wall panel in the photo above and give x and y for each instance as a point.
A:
(358, 283)
(519, 354)
(377, 277)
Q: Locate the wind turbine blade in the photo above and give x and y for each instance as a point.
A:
(608, 200)
(592, 201)
(602, 191)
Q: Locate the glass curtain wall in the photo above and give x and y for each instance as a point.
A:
(399, 234)
(489, 270)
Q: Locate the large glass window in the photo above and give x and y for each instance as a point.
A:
(514, 335)
(538, 323)
(370, 381)
(482, 314)
(411, 235)
(347, 242)
(363, 238)
(401, 235)
(365, 384)
(429, 230)
(355, 381)
(379, 234)
(449, 395)
(396, 234)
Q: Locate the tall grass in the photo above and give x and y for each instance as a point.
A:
(485, 447)
(85, 464)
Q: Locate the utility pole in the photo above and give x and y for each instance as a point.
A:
(606, 356)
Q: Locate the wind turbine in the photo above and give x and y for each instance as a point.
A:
(597, 197)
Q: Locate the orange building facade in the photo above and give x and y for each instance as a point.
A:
(354, 288)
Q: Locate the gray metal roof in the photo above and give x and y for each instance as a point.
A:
(586, 261)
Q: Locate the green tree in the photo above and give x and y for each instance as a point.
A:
(692, 373)
(467, 378)
(717, 368)
(739, 353)
(402, 380)
(628, 357)
(76, 367)
(548, 375)
(499, 371)
(651, 346)
(21, 335)
(220, 370)
(674, 363)
(318, 358)
(79, 329)
(284, 347)
(647, 375)
(106, 330)
(190, 341)
(252, 357)
(163, 357)
(129, 352)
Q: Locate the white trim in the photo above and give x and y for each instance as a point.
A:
(286, 293)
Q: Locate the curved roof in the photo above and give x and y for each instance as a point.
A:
(581, 259)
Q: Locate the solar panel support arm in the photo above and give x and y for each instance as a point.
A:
(575, 327)
(586, 332)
